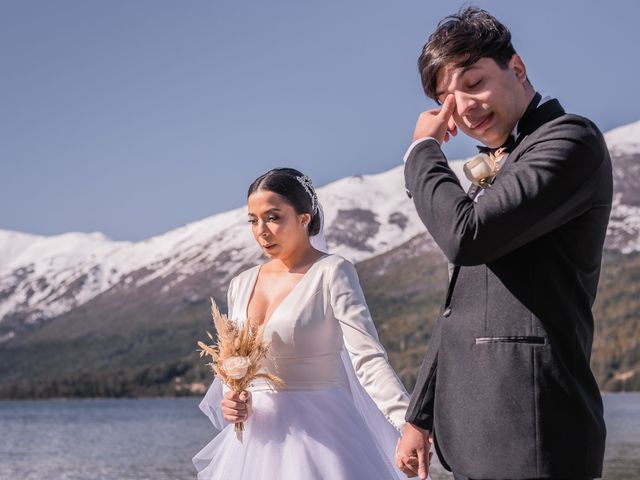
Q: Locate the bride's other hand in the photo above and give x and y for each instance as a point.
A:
(236, 407)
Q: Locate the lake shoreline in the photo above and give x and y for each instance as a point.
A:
(174, 397)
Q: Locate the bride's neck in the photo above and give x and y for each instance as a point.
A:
(300, 258)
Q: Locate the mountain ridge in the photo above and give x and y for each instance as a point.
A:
(132, 310)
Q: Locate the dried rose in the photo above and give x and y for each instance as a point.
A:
(479, 170)
(236, 367)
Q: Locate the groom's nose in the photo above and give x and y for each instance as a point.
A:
(464, 103)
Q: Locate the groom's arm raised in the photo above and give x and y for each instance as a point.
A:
(551, 183)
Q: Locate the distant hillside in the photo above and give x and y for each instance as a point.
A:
(405, 288)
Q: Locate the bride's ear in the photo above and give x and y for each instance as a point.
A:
(304, 219)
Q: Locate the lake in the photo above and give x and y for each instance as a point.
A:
(155, 439)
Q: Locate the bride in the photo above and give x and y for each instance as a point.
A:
(342, 408)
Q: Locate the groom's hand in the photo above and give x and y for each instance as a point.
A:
(412, 452)
(437, 123)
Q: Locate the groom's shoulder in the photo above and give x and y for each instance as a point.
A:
(573, 127)
(570, 136)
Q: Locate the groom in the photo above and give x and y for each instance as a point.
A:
(505, 388)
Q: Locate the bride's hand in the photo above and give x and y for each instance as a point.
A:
(236, 407)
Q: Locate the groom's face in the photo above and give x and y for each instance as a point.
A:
(489, 99)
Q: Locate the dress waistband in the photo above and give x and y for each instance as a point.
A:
(304, 372)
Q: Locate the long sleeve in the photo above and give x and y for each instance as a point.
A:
(361, 341)
(420, 411)
(552, 182)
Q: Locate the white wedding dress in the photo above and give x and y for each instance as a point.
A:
(339, 415)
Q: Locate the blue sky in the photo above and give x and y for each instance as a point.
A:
(135, 117)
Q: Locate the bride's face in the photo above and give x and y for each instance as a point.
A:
(276, 226)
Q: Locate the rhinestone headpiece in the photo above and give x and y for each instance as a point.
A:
(305, 181)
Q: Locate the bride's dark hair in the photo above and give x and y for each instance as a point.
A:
(284, 182)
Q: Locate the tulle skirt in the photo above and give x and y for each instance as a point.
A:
(311, 435)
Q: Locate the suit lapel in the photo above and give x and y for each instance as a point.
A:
(531, 122)
(473, 191)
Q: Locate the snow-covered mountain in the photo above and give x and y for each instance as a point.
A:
(624, 224)
(44, 277)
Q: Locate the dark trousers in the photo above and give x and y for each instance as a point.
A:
(458, 476)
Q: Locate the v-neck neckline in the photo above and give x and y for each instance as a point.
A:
(254, 282)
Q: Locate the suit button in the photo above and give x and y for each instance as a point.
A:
(446, 312)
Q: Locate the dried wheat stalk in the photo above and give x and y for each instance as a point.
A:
(237, 355)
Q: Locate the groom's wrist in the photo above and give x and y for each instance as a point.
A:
(415, 144)
(420, 418)
(411, 426)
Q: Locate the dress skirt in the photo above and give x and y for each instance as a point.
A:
(292, 434)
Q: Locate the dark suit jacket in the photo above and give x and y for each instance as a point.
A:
(506, 385)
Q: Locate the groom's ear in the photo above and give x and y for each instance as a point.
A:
(518, 67)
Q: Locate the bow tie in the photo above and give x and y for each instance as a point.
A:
(506, 147)
(522, 125)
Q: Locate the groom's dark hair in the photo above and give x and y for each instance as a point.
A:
(462, 39)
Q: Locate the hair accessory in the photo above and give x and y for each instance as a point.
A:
(305, 181)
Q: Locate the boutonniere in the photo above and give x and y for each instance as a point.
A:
(479, 170)
(482, 168)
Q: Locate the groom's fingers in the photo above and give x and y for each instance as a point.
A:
(407, 464)
(452, 128)
(448, 107)
(408, 467)
(412, 463)
(423, 463)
